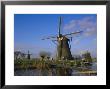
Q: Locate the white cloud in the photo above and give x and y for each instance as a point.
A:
(87, 24)
(70, 25)
(76, 41)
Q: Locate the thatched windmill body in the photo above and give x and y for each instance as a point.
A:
(63, 47)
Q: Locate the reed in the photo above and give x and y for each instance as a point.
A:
(42, 64)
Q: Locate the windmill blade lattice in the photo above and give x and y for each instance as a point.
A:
(73, 33)
(49, 37)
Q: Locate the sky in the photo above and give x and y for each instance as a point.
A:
(29, 29)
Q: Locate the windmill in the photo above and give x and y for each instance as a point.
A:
(28, 55)
(63, 48)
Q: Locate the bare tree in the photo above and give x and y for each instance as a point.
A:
(19, 55)
(23, 55)
(16, 54)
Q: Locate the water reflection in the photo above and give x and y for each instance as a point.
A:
(78, 71)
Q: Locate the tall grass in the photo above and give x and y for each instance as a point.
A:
(42, 64)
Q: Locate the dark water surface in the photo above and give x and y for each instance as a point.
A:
(58, 71)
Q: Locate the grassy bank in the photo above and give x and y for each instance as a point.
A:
(40, 64)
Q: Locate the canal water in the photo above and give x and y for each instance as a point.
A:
(75, 71)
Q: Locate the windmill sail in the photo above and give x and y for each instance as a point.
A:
(73, 33)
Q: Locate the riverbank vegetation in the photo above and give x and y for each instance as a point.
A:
(45, 63)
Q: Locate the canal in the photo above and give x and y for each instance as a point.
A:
(90, 70)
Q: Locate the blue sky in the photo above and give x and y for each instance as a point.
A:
(29, 29)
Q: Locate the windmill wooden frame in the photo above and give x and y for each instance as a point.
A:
(4, 3)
